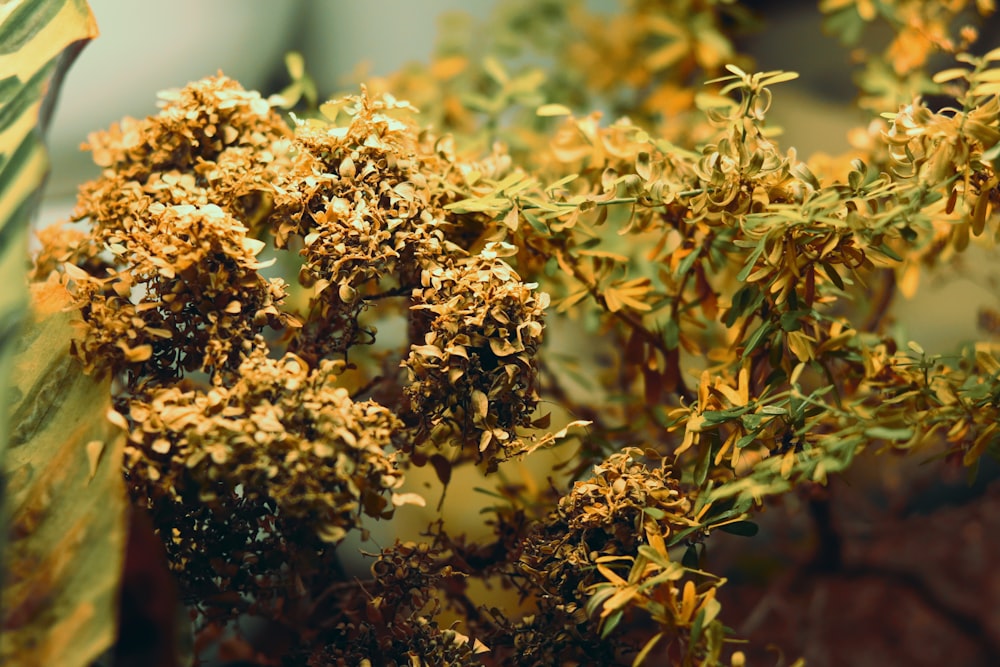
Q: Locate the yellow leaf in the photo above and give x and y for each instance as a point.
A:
(801, 345)
(480, 404)
(950, 74)
(448, 68)
(667, 55)
(554, 110)
(687, 603)
(984, 89)
(611, 300)
(986, 360)
(618, 600)
(94, 450)
(654, 536)
(571, 300)
(644, 653)
(732, 395)
(610, 575)
(693, 427)
(787, 463)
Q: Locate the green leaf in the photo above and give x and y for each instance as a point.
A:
(741, 303)
(671, 334)
(720, 416)
(704, 464)
(25, 21)
(886, 433)
(696, 627)
(757, 338)
(847, 24)
(654, 512)
(681, 534)
(603, 592)
(747, 439)
(653, 556)
(832, 274)
(711, 611)
(45, 35)
(610, 623)
(992, 156)
(495, 70)
(747, 268)
(690, 558)
(53, 612)
(792, 320)
(741, 528)
(889, 252)
(688, 262)
(535, 223)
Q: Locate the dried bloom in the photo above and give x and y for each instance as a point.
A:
(284, 432)
(555, 634)
(623, 505)
(212, 142)
(61, 244)
(393, 619)
(361, 196)
(474, 374)
(186, 295)
(605, 519)
(196, 123)
(177, 208)
(196, 126)
(683, 239)
(268, 463)
(369, 173)
(403, 642)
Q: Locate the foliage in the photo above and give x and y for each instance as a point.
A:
(298, 312)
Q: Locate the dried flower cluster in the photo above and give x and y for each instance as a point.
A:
(174, 207)
(626, 508)
(390, 621)
(267, 461)
(473, 375)
(625, 504)
(203, 296)
(284, 433)
(213, 143)
(359, 201)
(728, 302)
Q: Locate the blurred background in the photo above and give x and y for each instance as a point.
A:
(145, 47)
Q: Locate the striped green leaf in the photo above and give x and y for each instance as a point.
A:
(38, 41)
(62, 521)
(65, 500)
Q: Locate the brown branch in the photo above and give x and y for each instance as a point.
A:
(881, 303)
